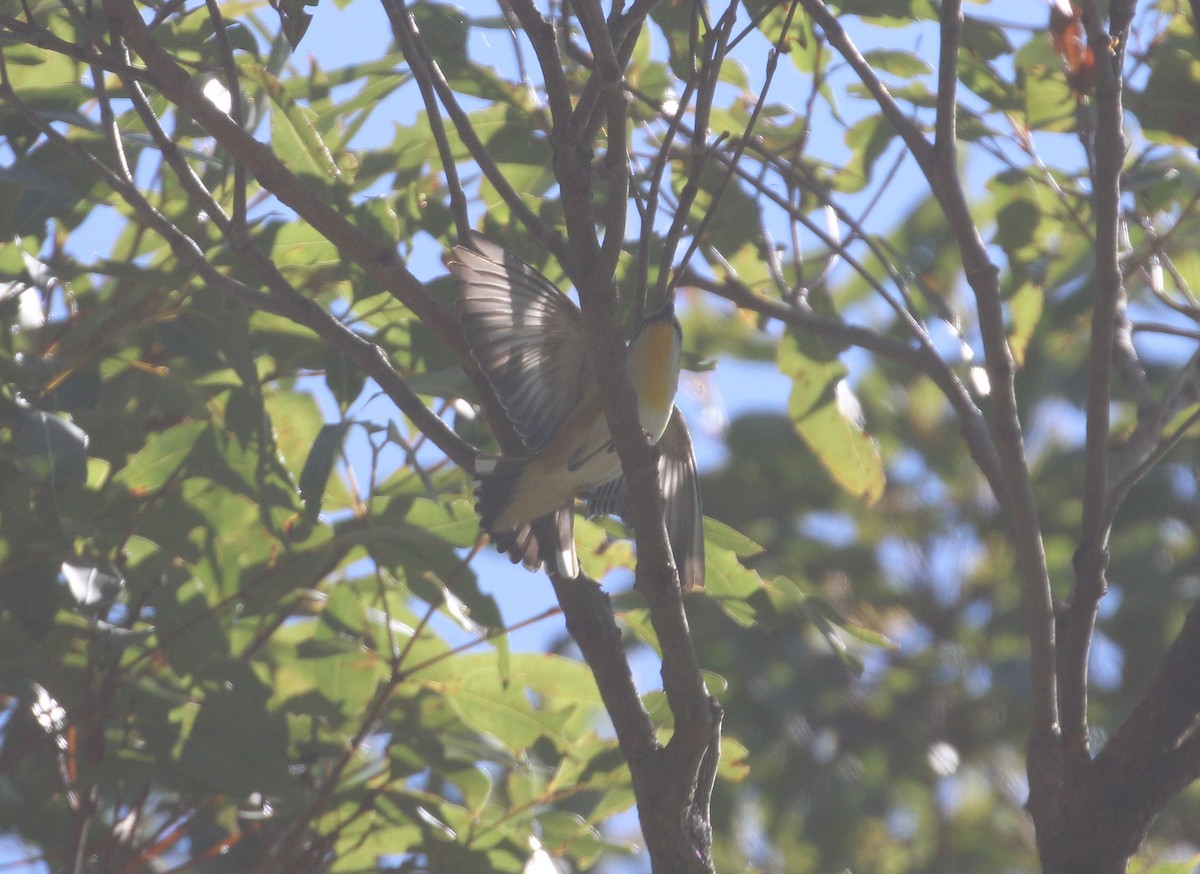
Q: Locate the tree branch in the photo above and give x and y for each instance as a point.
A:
(282, 300)
(945, 127)
(380, 262)
(1091, 558)
(545, 46)
(941, 173)
(23, 32)
(424, 67)
(234, 87)
(709, 74)
(1153, 756)
(669, 784)
(408, 38)
(922, 359)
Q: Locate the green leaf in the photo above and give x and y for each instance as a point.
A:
(301, 251)
(598, 551)
(897, 63)
(719, 534)
(47, 447)
(470, 683)
(377, 221)
(1138, 865)
(735, 587)
(235, 746)
(984, 39)
(1017, 224)
(319, 465)
(294, 135)
(1167, 105)
(1042, 84)
(445, 31)
(346, 672)
(160, 458)
(1025, 308)
(735, 764)
(364, 841)
(867, 140)
(825, 414)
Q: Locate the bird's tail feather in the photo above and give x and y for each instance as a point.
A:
(549, 540)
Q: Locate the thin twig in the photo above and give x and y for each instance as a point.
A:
(381, 262)
(540, 33)
(1162, 328)
(923, 359)
(731, 162)
(655, 179)
(404, 31)
(941, 173)
(1121, 488)
(714, 42)
(236, 110)
(282, 301)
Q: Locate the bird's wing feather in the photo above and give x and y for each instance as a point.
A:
(526, 335)
(681, 494)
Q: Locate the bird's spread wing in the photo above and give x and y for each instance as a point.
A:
(526, 335)
(681, 494)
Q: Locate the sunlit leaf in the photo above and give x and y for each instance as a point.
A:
(161, 457)
(826, 416)
(1025, 306)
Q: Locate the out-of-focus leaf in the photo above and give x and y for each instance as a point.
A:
(1182, 866)
(867, 141)
(346, 673)
(1166, 106)
(1025, 309)
(445, 29)
(302, 251)
(827, 418)
(897, 63)
(161, 457)
(377, 220)
(235, 746)
(722, 535)
(319, 465)
(47, 447)
(1042, 83)
(984, 39)
(888, 12)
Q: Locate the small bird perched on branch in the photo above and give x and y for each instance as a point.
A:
(529, 341)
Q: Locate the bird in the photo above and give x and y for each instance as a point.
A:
(528, 338)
